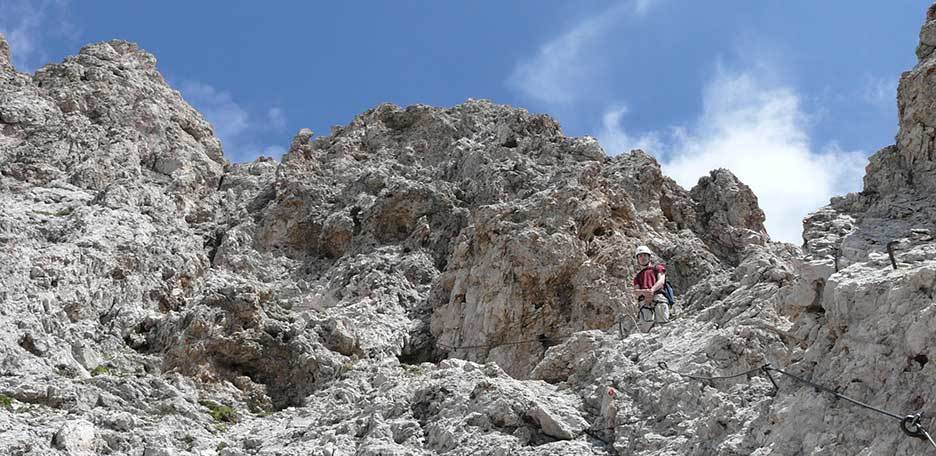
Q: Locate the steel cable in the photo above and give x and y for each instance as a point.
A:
(909, 424)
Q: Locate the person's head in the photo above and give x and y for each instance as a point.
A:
(643, 255)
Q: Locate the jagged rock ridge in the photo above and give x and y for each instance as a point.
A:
(363, 295)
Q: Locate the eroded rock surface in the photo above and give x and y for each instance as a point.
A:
(432, 281)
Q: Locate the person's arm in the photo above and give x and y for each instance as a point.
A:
(661, 279)
(637, 291)
(640, 292)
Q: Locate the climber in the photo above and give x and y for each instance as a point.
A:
(648, 288)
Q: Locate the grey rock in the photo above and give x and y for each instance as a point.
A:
(562, 424)
(157, 451)
(86, 356)
(75, 437)
(5, 64)
(728, 215)
(432, 280)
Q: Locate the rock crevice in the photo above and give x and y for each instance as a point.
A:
(431, 280)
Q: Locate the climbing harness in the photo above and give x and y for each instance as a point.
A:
(622, 332)
(644, 310)
(909, 424)
(647, 314)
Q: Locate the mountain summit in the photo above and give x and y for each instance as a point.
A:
(430, 280)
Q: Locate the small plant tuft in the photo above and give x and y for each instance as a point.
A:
(220, 413)
(413, 369)
(100, 370)
(6, 402)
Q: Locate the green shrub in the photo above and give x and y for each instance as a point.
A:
(220, 413)
(413, 369)
(6, 402)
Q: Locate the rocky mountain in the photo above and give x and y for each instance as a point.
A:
(434, 281)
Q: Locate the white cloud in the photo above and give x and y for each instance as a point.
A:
(28, 24)
(227, 117)
(880, 91)
(277, 118)
(19, 25)
(752, 123)
(563, 70)
(558, 71)
(760, 133)
(233, 124)
(615, 140)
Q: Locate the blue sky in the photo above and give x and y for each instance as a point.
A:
(791, 95)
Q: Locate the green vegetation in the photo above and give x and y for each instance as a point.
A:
(220, 413)
(344, 369)
(413, 369)
(59, 213)
(100, 370)
(6, 402)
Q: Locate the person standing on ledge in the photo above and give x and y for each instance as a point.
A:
(648, 288)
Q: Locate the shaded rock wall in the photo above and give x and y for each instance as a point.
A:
(366, 295)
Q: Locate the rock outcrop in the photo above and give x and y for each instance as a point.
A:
(432, 280)
(728, 215)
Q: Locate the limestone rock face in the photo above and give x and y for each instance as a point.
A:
(898, 186)
(728, 215)
(915, 103)
(486, 225)
(75, 438)
(432, 280)
(859, 319)
(103, 118)
(5, 64)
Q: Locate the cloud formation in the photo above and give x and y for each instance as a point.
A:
(238, 130)
(751, 123)
(564, 70)
(276, 118)
(28, 25)
(614, 140)
(881, 91)
(761, 134)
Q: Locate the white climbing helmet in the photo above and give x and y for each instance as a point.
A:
(643, 249)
